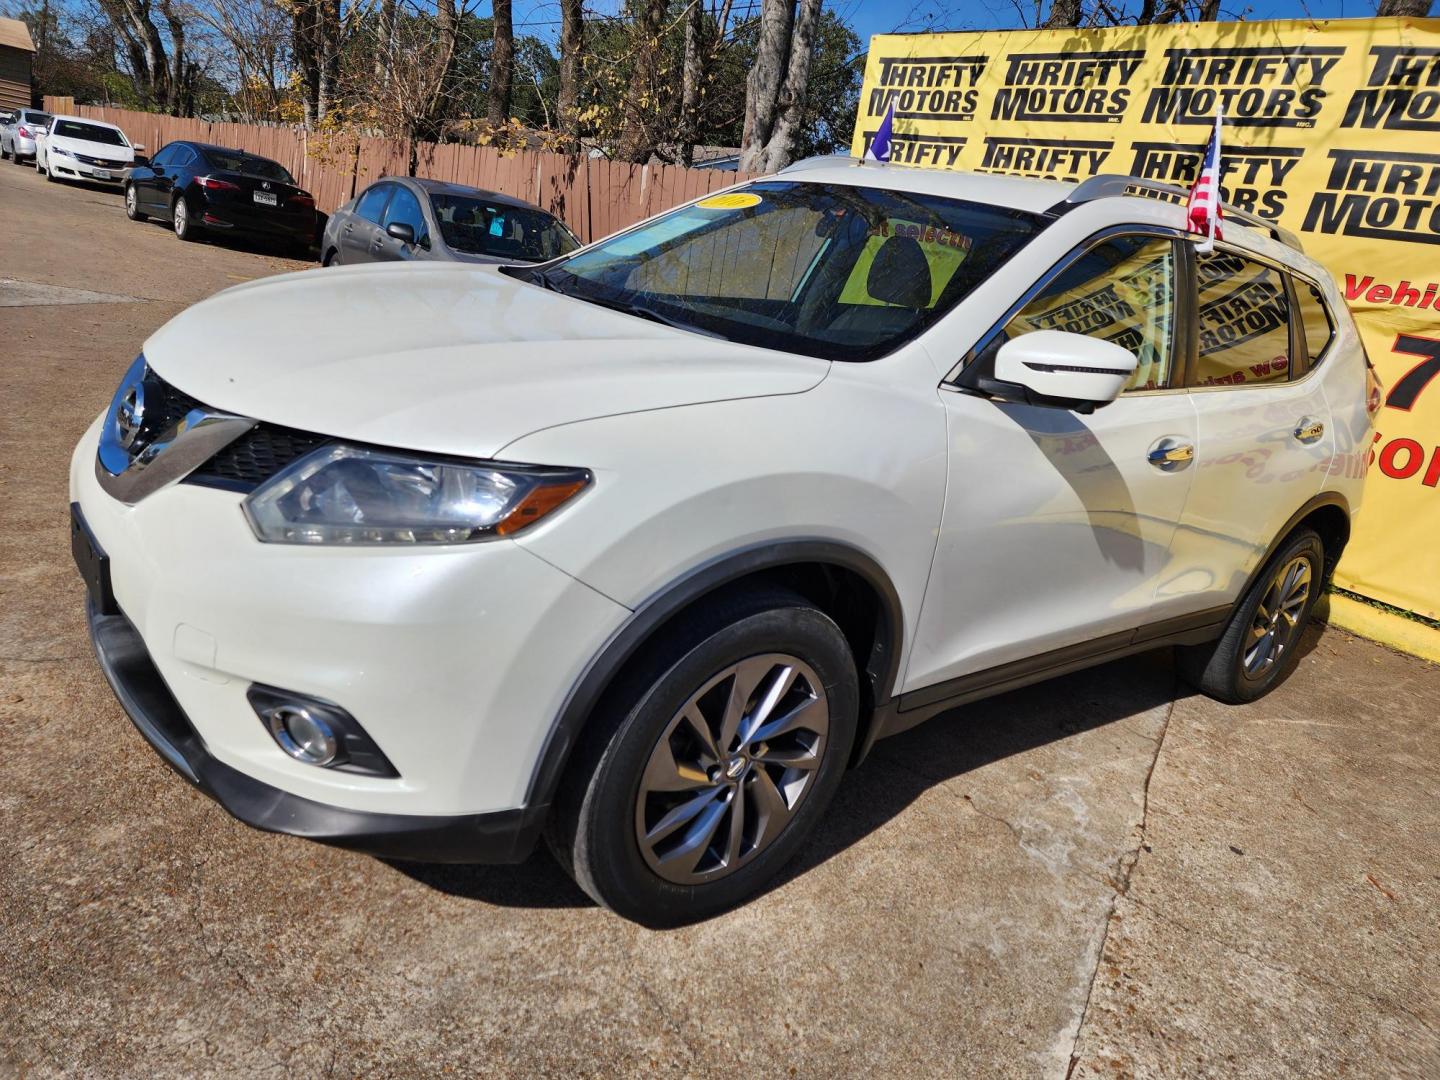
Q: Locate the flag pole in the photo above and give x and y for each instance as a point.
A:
(1206, 246)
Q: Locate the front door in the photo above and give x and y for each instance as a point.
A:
(362, 225)
(1057, 524)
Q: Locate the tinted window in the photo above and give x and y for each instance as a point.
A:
(404, 207)
(481, 227)
(372, 204)
(73, 129)
(1315, 317)
(1121, 290)
(840, 272)
(163, 159)
(30, 116)
(246, 164)
(1244, 322)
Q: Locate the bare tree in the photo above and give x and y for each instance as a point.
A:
(1063, 14)
(144, 49)
(1413, 9)
(502, 64)
(775, 90)
(643, 125)
(256, 35)
(572, 44)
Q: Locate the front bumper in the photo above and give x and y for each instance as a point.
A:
(505, 836)
(455, 661)
(76, 170)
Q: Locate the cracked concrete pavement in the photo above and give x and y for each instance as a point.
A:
(1104, 876)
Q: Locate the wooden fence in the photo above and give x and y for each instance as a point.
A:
(595, 197)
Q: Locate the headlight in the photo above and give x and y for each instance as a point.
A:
(56, 151)
(350, 495)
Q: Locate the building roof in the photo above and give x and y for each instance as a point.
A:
(16, 34)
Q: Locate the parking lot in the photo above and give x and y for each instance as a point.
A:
(1103, 876)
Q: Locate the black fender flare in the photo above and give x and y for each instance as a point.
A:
(880, 669)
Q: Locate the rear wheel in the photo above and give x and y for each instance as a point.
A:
(185, 229)
(132, 204)
(1258, 650)
(703, 774)
(329, 258)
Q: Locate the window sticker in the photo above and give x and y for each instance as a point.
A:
(733, 200)
(943, 248)
(497, 224)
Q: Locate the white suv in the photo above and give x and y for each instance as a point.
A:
(639, 549)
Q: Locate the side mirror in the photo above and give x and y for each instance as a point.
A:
(1066, 368)
(137, 147)
(402, 231)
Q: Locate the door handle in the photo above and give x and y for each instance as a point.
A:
(1309, 430)
(1170, 455)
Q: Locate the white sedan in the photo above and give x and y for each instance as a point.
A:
(72, 148)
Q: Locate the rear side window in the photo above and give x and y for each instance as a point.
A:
(1315, 317)
(372, 204)
(1244, 317)
(1121, 290)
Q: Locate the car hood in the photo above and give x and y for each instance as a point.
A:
(446, 358)
(107, 151)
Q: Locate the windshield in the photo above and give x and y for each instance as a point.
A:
(72, 129)
(844, 273)
(247, 165)
(29, 117)
(479, 227)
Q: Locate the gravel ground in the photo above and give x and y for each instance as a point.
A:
(1102, 876)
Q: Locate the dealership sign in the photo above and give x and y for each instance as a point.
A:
(1332, 129)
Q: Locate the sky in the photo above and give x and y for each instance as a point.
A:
(867, 17)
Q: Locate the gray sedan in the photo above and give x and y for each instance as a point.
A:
(400, 218)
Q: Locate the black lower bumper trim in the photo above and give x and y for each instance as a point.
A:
(507, 836)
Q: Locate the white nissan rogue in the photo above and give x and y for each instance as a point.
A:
(640, 549)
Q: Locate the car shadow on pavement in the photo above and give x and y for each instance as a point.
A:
(899, 770)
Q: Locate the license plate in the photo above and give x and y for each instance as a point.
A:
(93, 564)
(102, 174)
(266, 198)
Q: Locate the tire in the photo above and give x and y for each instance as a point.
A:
(612, 797)
(328, 259)
(132, 205)
(1258, 649)
(185, 229)
(3, 152)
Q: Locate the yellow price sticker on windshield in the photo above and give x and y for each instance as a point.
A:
(734, 200)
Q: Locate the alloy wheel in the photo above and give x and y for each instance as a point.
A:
(1276, 623)
(182, 218)
(730, 769)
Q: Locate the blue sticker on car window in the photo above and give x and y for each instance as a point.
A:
(497, 226)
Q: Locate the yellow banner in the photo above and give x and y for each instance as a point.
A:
(1331, 127)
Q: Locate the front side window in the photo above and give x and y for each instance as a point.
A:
(372, 204)
(1244, 318)
(1121, 290)
(1315, 317)
(73, 129)
(405, 208)
(839, 272)
(487, 227)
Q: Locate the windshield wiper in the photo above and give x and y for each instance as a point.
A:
(643, 312)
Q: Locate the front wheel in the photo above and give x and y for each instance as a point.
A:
(132, 204)
(707, 768)
(1259, 648)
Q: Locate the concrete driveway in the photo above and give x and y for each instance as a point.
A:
(1105, 876)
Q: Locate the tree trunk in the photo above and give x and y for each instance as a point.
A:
(1411, 9)
(502, 64)
(776, 89)
(385, 44)
(640, 136)
(572, 42)
(1063, 14)
(175, 104)
(691, 82)
(305, 47)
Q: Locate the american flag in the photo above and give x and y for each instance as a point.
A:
(1204, 205)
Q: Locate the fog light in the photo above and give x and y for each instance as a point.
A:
(303, 735)
(317, 732)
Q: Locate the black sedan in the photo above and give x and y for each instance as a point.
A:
(201, 188)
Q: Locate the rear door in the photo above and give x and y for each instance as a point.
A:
(1058, 524)
(362, 227)
(1265, 434)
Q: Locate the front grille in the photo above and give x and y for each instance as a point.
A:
(255, 457)
(165, 406)
(100, 163)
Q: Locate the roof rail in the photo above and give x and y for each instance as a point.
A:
(1112, 185)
